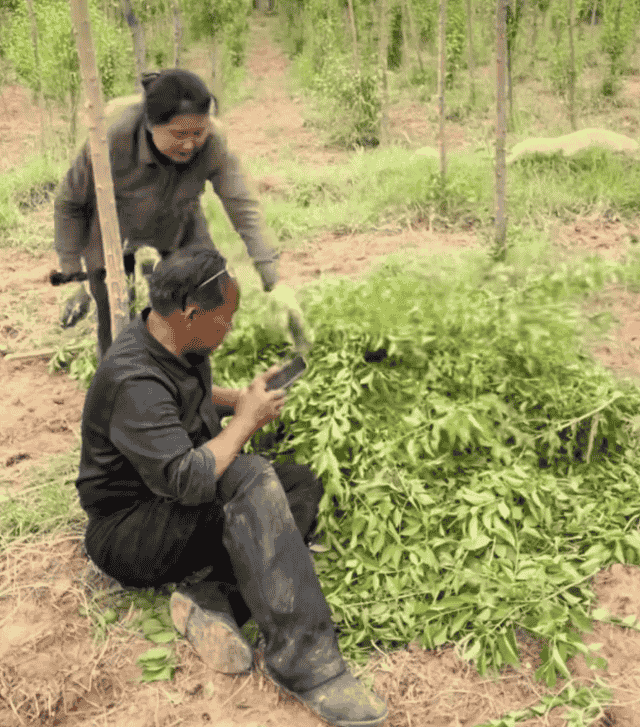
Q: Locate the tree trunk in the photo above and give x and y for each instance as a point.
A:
(593, 12)
(107, 215)
(414, 32)
(472, 80)
(177, 33)
(442, 77)
(383, 43)
(501, 131)
(354, 35)
(572, 72)
(137, 34)
(534, 34)
(216, 72)
(40, 96)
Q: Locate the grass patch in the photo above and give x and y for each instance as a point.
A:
(46, 504)
(24, 187)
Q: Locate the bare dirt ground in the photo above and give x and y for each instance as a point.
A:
(52, 673)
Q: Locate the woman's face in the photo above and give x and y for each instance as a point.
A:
(181, 138)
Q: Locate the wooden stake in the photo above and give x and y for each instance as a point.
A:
(106, 204)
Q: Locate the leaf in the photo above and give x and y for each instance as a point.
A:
(164, 674)
(162, 637)
(503, 510)
(160, 652)
(480, 542)
(509, 656)
(475, 498)
(152, 626)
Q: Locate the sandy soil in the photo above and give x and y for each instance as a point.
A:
(51, 671)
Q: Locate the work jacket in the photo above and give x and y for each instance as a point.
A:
(155, 198)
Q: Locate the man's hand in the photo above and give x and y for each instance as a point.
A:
(286, 310)
(257, 405)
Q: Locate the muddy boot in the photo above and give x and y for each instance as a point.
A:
(275, 576)
(343, 701)
(213, 634)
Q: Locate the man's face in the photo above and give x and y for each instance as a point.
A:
(209, 328)
(182, 137)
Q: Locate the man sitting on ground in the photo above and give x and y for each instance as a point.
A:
(169, 494)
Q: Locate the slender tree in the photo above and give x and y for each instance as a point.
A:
(354, 35)
(501, 130)
(137, 34)
(407, 9)
(572, 71)
(107, 215)
(383, 42)
(177, 32)
(472, 81)
(442, 77)
(38, 69)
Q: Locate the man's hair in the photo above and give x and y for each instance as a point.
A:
(174, 282)
(174, 91)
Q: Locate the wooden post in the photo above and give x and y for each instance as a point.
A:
(572, 72)
(383, 42)
(39, 93)
(442, 76)
(106, 204)
(137, 34)
(354, 35)
(501, 131)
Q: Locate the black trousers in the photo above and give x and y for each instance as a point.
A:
(253, 538)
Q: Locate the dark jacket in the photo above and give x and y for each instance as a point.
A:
(154, 201)
(146, 417)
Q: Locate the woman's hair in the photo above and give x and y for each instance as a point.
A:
(172, 92)
(175, 280)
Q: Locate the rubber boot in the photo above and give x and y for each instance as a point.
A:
(275, 576)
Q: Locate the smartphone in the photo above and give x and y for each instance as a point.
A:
(288, 374)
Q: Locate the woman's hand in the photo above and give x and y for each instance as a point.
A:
(287, 311)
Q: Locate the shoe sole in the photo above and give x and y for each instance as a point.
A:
(377, 722)
(219, 644)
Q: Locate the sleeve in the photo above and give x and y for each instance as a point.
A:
(147, 430)
(243, 209)
(74, 205)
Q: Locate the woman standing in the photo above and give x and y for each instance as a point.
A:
(162, 152)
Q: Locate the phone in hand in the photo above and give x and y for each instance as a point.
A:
(288, 374)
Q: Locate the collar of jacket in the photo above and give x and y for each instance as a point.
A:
(181, 365)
